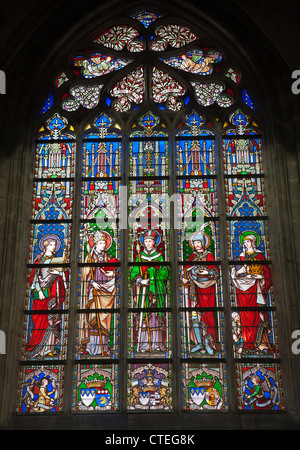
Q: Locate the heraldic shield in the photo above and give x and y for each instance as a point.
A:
(95, 390)
(199, 392)
(87, 396)
(102, 397)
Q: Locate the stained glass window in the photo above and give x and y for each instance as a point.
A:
(160, 213)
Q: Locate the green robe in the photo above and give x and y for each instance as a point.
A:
(157, 276)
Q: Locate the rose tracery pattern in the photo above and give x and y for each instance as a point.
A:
(209, 93)
(86, 96)
(128, 90)
(174, 35)
(166, 89)
(117, 37)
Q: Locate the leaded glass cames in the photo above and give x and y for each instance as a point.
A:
(147, 286)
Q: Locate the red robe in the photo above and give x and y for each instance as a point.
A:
(206, 297)
(40, 321)
(250, 320)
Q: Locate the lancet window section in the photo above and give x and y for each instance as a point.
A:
(97, 353)
(202, 333)
(46, 314)
(254, 324)
(150, 336)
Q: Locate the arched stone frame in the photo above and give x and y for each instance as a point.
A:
(278, 249)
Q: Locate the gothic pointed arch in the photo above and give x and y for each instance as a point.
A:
(149, 266)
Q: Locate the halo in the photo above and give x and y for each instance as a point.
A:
(47, 237)
(108, 240)
(249, 233)
(207, 239)
(153, 232)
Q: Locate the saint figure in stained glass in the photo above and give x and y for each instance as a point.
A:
(252, 282)
(99, 294)
(200, 291)
(149, 283)
(48, 287)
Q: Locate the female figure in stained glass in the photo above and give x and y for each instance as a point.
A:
(149, 284)
(48, 287)
(99, 292)
(202, 281)
(252, 282)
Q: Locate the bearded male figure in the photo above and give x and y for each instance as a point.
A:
(99, 293)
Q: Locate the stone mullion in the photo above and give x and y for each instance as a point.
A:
(74, 258)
